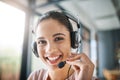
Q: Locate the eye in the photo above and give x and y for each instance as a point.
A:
(41, 42)
(59, 38)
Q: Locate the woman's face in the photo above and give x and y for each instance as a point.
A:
(53, 42)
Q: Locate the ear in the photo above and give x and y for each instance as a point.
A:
(74, 39)
(34, 49)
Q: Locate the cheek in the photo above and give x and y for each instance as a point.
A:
(41, 53)
(65, 48)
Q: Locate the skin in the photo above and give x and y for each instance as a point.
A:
(53, 44)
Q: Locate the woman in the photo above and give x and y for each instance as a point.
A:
(53, 44)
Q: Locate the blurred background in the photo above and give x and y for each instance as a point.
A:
(100, 32)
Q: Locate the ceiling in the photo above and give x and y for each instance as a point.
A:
(98, 15)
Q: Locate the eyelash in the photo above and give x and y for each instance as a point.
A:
(43, 42)
(58, 39)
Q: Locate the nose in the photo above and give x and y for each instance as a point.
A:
(51, 48)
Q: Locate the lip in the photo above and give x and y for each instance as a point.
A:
(54, 59)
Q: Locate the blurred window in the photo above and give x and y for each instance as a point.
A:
(12, 23)
(86, 41)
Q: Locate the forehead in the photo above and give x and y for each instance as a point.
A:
(50, 26)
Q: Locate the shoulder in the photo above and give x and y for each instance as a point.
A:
(72, 77)
(40, 74)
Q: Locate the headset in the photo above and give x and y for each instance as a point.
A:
(74, 35)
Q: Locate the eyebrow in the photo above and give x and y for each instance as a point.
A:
(53, 35)
(58, 34)
(40, 38)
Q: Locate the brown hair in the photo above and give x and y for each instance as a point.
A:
(59, 16)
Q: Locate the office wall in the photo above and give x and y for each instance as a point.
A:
(107, 41)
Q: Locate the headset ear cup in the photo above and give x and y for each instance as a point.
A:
(74, 39)
(34, 49)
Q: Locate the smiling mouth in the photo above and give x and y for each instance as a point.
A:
(53, 60)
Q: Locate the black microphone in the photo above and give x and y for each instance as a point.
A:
(62, 64)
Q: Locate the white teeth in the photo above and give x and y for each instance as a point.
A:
(53, 58)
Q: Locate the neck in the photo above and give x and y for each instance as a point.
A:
(61, 73)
